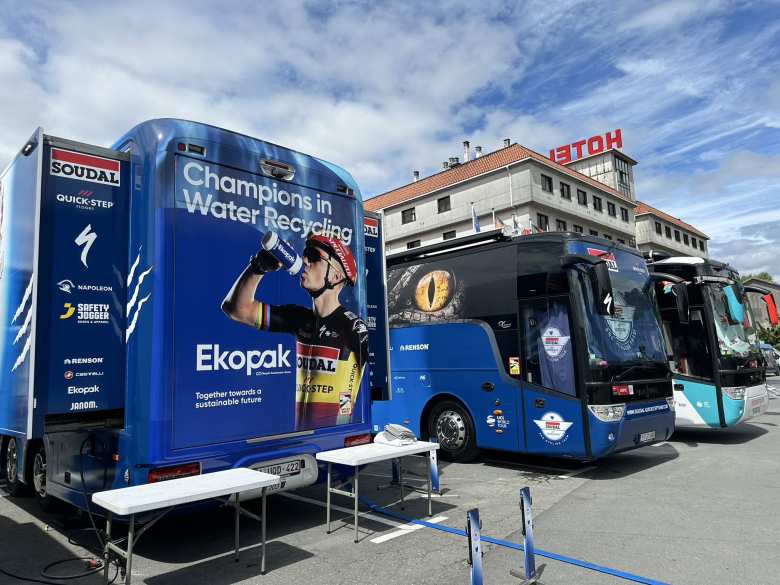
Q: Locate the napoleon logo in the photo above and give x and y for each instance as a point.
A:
(77, 165)
(65, 286)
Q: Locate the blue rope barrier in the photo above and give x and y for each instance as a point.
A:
(505, 543)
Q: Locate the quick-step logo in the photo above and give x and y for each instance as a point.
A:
(87, 167)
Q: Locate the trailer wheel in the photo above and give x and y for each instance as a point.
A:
(39, 477)
(453, 429)
(11, 456)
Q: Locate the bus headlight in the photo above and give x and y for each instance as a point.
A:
(608, 412)
(670, 402)
(735, 392)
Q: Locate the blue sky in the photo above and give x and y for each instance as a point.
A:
(383, 89)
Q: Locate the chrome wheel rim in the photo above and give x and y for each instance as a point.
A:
(39, 474)
(11, 466)
(451, 430)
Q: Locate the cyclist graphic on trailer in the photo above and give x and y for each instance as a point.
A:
(332, 343)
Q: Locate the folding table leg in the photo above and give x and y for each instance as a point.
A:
(401, 479)
(262, 522)
(357, 479)
(429, 486)
(237, 529)
(107, 553)
(130, 543)
(327, 502)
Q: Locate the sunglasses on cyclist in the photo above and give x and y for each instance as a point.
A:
(314, 254)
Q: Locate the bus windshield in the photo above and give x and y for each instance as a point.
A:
(631, 339)
(737, 339)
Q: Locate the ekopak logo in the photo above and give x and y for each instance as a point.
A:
(87, 167)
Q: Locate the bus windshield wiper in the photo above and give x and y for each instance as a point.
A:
(621, 375)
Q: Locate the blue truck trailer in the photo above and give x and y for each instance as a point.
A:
(190, 300)
(547, 344)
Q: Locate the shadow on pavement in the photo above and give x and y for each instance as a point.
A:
(26, 548)
(731, 436)
(631, 462)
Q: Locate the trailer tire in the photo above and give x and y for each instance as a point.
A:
(10, 460)
(451, 426)
(39, 480)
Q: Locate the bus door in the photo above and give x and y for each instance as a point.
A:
(551, 408)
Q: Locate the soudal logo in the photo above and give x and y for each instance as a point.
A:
(608, 257)
(317, 358)
(211, 358)
(87, 167)
(371, 227)
(414, 347)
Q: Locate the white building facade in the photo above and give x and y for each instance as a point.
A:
(656, 230)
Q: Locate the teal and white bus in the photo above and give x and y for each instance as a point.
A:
(712, 346)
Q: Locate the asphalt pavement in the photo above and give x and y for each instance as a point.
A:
(701, 508)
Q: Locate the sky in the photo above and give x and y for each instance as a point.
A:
(383, 89)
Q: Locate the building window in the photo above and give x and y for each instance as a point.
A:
(546, 183)
(582, 197)
(594, 233)
(621, 241)
(668, 232)
(685, 239)
(624, 185)
(693, 241)
(560, 225)
(412, 244)
(676, 235)
(701, 245)
(611, 209)
(565, 191)
(624, 214)
(597, 204)
(607, 237)
(632, 242)
(408, 215)
(577, 228)
(444, 204)
(658, 227)
(542, 221)
(448, 235)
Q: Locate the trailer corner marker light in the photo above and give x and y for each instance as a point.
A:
(174, 472)
(357, 440)
(196, 149)
(181, 147)
(115, 457)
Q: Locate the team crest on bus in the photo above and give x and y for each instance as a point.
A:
(553, 427)
(608, 257)
(621, 324)
(554, 343)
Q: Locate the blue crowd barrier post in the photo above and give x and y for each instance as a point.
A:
(434, 470)
(530, 573)
(475, 546)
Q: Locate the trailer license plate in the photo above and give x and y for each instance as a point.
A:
(648, 436)
(284, 469)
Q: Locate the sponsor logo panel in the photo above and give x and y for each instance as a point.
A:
(86, 167)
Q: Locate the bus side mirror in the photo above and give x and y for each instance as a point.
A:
(602, 289)
(771, 309)
(683, 305)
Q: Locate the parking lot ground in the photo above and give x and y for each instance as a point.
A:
(701, 508)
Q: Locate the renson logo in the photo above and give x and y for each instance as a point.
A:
(414, 347)
(210, 358)
(76, 165)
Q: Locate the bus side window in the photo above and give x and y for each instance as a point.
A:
(547, 345)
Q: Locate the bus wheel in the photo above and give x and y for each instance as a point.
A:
(39, 480)
(453, 429)
(13, 484)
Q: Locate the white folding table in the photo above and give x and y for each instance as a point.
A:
(371, 453)
(165, 495)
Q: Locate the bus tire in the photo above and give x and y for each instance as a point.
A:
(10, 460)
(450, 425)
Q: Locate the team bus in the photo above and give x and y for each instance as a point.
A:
(547, 344)
(713, 348)
(190, 300)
